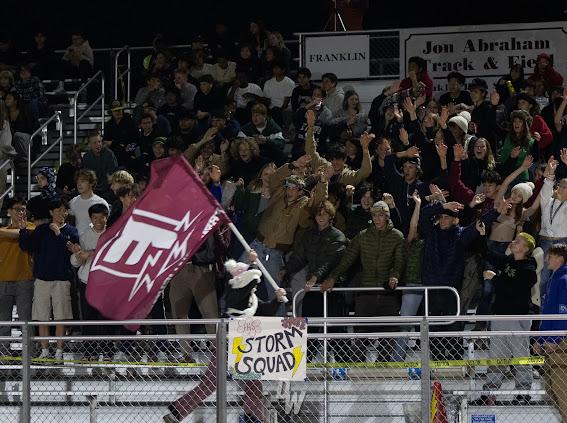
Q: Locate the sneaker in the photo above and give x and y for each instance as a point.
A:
(44, 353)
(59, 354)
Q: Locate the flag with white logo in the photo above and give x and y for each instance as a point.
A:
(151, 241)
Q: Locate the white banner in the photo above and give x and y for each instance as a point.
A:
(347, 56)
(485, 51)
(267, 348)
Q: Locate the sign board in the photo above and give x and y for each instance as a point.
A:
(348, 56)
(483, 418)
(267, 348)
(484, 51)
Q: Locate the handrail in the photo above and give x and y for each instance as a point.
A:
(118, 76)
(426, 290)
(56, 117)
(9, 163)
(100, 97)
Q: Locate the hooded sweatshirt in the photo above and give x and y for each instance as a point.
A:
(513, 284)
(555, 303)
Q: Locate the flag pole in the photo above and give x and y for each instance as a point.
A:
(246, 246)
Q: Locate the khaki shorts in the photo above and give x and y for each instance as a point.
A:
(51, 296)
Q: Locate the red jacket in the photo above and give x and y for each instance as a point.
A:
(423, 77)
(550, 76)
(539, 126)
(460, 192)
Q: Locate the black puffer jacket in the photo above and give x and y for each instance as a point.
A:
(320, 251)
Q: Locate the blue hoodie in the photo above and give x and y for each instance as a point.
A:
(555, 303)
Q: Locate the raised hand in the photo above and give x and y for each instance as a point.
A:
(563, 155)
(443, 116)
(528, 161)
(505, 206)
(477, 199)
(441, 150)
(453, 206)
(409, 105)
(416, 198)
(412, 152)
(404, 136)
(458, 152)
(365, 140)
(389, 200)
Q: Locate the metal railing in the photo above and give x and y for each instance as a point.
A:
(10, 164)
(118, 75)
(425, 290)
(76, 119)
(57, 118)
(31, 387)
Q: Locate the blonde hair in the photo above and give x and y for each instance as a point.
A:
(121, 177)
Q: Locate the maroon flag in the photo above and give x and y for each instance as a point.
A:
(151, 241)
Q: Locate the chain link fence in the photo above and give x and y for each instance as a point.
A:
(362, 374)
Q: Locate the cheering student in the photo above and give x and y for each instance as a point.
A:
(241, 301)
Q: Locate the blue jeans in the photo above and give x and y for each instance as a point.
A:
(411, 300)
(272, 260)
(545, 245)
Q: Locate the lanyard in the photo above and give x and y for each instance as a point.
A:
(551, 213)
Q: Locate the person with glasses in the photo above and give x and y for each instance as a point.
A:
(16, 277)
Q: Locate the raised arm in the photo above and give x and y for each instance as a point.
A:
(310, 149)
(511, 177)
(414, 222)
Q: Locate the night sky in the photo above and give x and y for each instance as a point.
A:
(135, 22)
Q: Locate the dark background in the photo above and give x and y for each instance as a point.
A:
(111, 24)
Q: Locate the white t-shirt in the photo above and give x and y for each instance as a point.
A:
(241, 102)
(207, 69)
(79, 207)
(276, 91)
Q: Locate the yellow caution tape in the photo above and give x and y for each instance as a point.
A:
(104, 363)
(434, 364)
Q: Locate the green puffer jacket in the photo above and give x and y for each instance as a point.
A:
(381, 254)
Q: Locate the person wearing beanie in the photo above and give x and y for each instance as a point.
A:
(513, 279)
(456, 95)
(380, 249)
(525, 190)
(545, 71)
(512, 214)
(241, 301)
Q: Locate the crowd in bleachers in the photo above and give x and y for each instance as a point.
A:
(467, 190)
